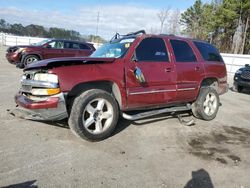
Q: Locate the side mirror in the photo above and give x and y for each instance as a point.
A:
(139, 75)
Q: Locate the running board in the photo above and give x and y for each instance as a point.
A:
(155, 112)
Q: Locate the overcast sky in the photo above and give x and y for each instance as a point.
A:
(80, 15)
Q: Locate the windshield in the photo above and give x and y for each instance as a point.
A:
(116, 50)
(41, 42)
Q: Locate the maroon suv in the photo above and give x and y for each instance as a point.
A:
(23, 55)
(137, 71)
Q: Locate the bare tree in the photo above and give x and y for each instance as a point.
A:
(245, 35)
(174, 26)
(237, 38)
(162, 15)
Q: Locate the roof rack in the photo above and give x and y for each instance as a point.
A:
(117, 36)
(171, 35)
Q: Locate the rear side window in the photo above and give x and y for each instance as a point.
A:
(182, 51)
(67, 45)
(152, 49)
(75, 46)
(208, 52)
(84, 47)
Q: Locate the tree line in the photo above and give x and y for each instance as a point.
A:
(33, 30)
(224, 23)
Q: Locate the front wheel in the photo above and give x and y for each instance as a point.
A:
(94, 115)
(30, 59)
(207, 104)
(237, 88)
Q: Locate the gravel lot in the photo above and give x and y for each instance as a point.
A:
(157, 152)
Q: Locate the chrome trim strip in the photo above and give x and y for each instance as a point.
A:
(36, 83)
(154, 91)
(186, 89)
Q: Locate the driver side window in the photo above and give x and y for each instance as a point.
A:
(152, 50)
(56, 44)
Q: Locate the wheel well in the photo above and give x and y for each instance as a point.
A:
(25, 55)
(108, 86)
(211, 82)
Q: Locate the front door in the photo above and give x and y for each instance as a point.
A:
(54, 49)
(152, 58)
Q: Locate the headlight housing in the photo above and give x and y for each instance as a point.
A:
(19, 50)
(238, 71)
(46, 77)
(45, 91)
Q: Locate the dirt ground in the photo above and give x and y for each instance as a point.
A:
(156, 152)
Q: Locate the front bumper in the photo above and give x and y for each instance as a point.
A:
(241, 82)
(223, 88)
(49, 109)
(13, 57)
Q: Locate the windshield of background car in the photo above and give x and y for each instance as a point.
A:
(41, 42)
(114, 50)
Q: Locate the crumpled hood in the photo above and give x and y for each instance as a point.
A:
(66, 61)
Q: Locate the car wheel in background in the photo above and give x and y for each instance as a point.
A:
(30, 59)
(237, 88)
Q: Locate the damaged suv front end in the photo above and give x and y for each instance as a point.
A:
(40, 96)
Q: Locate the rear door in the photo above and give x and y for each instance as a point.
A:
(189, 70)
(214, 65)
(152, 58)
(74, 49)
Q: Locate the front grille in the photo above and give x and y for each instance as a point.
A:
(245, 75)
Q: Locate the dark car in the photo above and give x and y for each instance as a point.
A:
(23, 55)
(242, 78)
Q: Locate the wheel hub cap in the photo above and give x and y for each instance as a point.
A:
(97, 116)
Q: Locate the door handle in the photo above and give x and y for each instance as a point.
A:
(197, 68)
(168, 69)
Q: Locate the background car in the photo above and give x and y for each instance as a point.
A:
(23, 55)
(242, 78)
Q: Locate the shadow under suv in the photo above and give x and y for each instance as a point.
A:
(23, 55)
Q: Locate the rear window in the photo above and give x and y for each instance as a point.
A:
(208, 52)
(182, 51)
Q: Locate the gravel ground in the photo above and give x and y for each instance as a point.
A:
(156, 152)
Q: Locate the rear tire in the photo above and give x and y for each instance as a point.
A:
(94, 115)
(207, 104)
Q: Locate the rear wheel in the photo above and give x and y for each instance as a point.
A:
(94, 115)
(207, 104)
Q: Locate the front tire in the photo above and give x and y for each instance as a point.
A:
(94, 115)
(30, 59)
(207, 104)
(237, 88)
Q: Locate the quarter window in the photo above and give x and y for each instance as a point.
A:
(152, 49)
(84, 47)
(208, 52)
(182, 51)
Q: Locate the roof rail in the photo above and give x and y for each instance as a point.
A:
(118, 36)
(171, 35)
